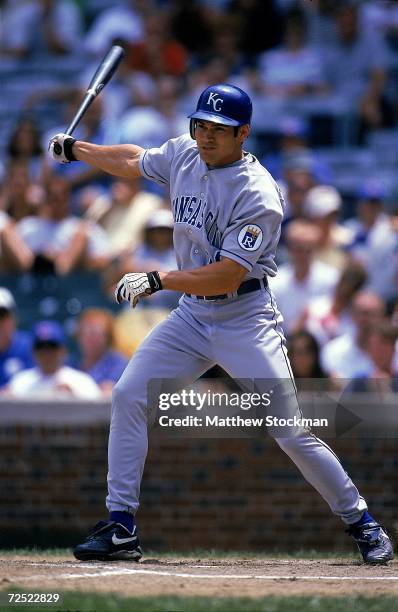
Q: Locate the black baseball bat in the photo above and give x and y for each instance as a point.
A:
(102, 76)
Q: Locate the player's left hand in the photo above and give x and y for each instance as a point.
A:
(60, 148)
(135, 285)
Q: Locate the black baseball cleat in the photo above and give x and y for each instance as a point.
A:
(109, 541)
(373, 543)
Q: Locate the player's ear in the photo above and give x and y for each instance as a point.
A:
(244, 131)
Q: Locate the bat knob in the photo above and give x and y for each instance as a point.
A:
(57, 148)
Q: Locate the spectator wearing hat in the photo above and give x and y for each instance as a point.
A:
(15, 345)
(95, 337)
(322, 206)
(50, 378)
(302, 278)
(374, 242)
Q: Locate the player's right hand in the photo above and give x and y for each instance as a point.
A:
(135, 285)
(60, 148)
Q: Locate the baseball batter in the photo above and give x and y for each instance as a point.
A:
(227, 211)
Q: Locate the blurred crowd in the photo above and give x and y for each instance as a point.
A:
(323, 76)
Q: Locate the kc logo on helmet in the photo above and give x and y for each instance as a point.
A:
(215, 101)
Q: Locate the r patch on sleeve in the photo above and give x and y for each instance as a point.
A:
(250, 237)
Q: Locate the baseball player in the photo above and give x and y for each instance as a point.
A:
(227, 212)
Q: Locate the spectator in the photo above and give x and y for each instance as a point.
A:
(155, 121)
(346, 356)
(18, 191)
(24, 146)
(382, 17)
(304, 358)
(297, 179)
(158, 53)
(16, 32)
(330, 316)
(57, 28)
(322, 206)
(191, 25)
(355, 67)
(155, 253)
(41, 26)
(383, 377)
(60, 243)
(14, 255)
(258, 23)
(15, 345)
(294, 69)
(115, 24)
(123, 213)
(50, 378)
(374, 241)
(292, 133)
(95, 337)
(302, 278)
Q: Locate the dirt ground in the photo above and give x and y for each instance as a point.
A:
(201, 577)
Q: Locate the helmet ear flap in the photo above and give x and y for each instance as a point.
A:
(192, 128)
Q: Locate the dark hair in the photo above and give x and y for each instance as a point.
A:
(13, 147)
(317, 371)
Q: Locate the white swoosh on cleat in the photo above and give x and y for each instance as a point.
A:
(116, 541)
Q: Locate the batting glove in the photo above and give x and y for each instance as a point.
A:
(135, 285)
(60, 148)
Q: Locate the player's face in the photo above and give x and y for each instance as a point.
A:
(217, 144)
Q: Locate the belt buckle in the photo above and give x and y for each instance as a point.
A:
(209, 299)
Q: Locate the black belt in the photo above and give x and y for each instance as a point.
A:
(253, 284)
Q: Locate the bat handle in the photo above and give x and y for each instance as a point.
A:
(86, 103)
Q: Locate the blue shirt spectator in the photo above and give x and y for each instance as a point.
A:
(95, 337)
(15, 345)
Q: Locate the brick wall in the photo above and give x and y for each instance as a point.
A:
(232, 494)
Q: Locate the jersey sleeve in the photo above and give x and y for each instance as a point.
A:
(254, 231)
(155, 164)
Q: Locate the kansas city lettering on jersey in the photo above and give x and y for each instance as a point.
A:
(188, 209)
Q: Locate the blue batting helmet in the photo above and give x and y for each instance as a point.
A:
(223, 103)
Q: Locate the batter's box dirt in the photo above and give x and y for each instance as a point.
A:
(202, 577)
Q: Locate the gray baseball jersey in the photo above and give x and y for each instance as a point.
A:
(233, 211)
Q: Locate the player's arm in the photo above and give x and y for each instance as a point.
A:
(223, 276)
(120, 160)
(217, 278)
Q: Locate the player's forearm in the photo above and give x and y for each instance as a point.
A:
(213, 279)
(120, 160)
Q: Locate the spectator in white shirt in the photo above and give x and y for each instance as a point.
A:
(59, 242)
(329, 316)
(50, 378)
(345, 357)
(302, 278)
